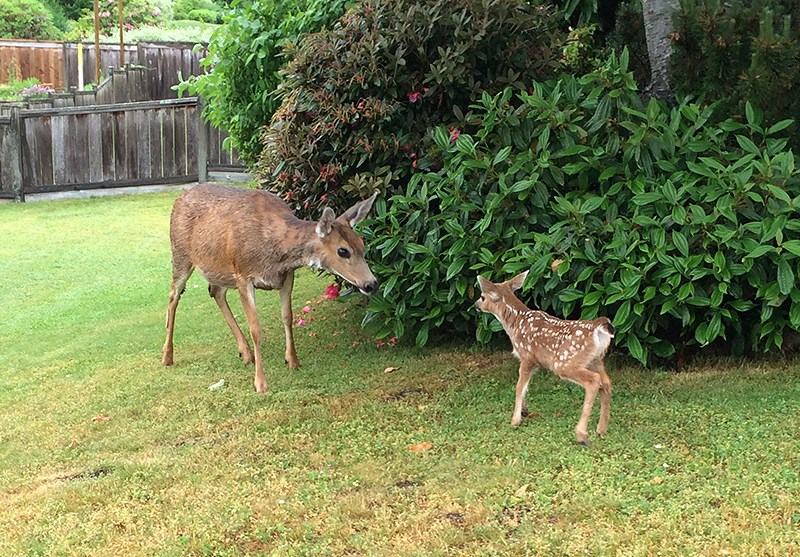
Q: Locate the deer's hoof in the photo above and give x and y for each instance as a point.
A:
(515, 422)
(261, 388)
(525, 413)
(167, 360)
(293, 364)
(247, 358)
(584, 443)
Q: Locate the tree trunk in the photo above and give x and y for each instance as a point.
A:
(657, 16)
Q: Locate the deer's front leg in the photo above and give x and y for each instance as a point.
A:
(247, 293)
(525, 370)
(288, 318)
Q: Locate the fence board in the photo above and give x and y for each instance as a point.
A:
(94, 147)
(7, 158)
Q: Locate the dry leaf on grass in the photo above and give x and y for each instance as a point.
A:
(391, 369)
(100, 419)
(421, 447)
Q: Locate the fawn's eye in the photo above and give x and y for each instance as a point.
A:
(343, 252)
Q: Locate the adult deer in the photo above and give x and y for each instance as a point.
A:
(573, 350)
(249, 239)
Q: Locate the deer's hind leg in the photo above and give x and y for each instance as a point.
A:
(219, 293)
(180, 275)
(247, 293)
(590, 381)
(605, 398)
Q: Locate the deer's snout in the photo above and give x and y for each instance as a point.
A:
(370, 287)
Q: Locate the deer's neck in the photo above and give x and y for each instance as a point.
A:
(511, 313)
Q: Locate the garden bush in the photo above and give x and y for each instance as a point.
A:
(360, 100)
(244, 57)
(26, 19)
(198, 10)
(739, 52)
(683, 232)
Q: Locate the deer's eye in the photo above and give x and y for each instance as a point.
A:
(343, 252)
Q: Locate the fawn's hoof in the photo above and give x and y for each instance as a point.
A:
(261, 388)
(247, 358)
(584, 443)
(525, 413)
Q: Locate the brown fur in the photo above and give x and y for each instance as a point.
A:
(573, 350)
(249, 239)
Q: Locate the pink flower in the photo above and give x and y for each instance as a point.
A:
(105, 14)
(301, 322)
(454, 134)
(379, 343)
(414, 97)
(156, 11)
(393, 340)
(128, 26)
(331, 292)
(306, 309)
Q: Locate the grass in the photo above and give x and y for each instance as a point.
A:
(697, 463)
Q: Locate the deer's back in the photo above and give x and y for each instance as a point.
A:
(555, 342)
(226, 231)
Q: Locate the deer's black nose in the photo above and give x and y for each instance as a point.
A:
(370, 287)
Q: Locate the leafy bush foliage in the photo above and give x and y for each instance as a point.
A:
(682, 232)
(739, 52)
(360, 101)
(26, 19)
(244, 56)
(198, 10)
(136, 14)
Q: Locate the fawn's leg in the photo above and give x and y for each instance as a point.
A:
(525, 370)
(179, 278)
(247, 293)
(286, 313)
(605, 398)
(590, 381)
(219, 294)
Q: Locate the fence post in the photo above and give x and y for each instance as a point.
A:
(202, 143)
(17, 185)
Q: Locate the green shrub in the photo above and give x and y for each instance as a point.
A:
(360, 100)
(244, 56)
(739, 52)
(26, 19)
(183, 9)
(680, 231)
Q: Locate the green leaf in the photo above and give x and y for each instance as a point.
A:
(785, 277)
(636, 350)
(502, 155)
(747, 144)
(792, 246)
(454, 268)
(680, 242)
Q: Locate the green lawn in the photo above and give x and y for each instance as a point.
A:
(699, 463)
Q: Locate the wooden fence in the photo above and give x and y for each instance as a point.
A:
(56, 63)
(130, 84)
(113, 145)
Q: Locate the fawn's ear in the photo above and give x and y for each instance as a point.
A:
(487, 288)
(517, 282)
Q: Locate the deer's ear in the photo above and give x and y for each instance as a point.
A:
(517, 282)
(483, 283)
(325, 224)
(359, 211)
